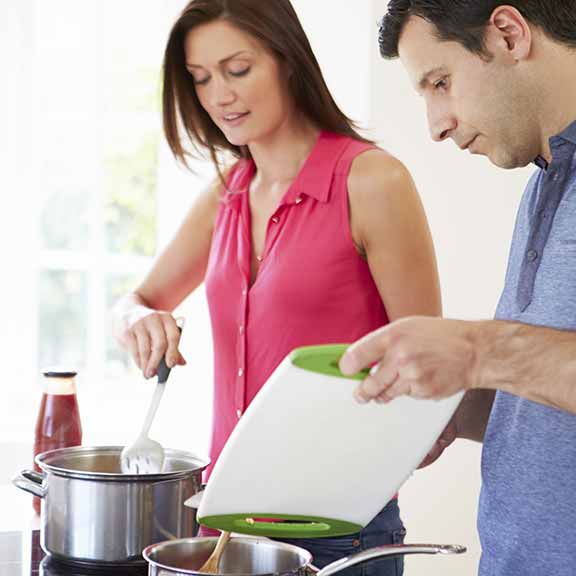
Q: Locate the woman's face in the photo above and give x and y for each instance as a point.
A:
(238, 82)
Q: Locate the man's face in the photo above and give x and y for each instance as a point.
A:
(484, 106)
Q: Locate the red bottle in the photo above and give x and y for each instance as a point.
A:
(58, 424)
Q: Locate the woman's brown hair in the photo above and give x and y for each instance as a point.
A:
(275, 24)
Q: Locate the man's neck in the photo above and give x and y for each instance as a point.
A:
(558, 96)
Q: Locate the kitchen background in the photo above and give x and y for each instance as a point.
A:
(90, 194)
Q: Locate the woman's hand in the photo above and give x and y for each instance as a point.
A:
(148, 335)
(151, 337)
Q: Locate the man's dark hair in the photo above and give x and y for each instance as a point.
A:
(464, 21)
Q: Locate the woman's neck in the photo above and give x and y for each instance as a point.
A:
(280, 156)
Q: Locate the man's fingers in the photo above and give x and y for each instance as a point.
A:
(399, 387)
(364, 352)
(449, 434)
(433, 455)
(446, 438)
(381, 377)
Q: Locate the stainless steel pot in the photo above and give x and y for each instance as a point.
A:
(262, 557)
(92, 513)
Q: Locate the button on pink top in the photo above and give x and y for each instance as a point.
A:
(312, 287)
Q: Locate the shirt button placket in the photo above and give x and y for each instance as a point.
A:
(272, 233)
(532, 255)
(550, 198)
(241, 380)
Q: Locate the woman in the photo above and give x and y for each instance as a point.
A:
(312, 236)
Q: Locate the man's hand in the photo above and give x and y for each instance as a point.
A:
(446, 438)
(420, 357)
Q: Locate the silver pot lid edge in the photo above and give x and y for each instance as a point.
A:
(202, 464)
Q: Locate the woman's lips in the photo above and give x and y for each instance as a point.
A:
(233, 119)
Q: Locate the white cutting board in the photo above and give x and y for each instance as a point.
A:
(305, 448)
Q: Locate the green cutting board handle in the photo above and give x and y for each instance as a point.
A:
(324, 360)
(280, 525)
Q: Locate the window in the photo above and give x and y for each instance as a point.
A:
(93, 196)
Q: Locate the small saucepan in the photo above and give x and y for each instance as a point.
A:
(250, 556)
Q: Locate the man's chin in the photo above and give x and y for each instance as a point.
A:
(506, 161)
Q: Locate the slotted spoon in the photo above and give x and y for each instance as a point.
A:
(146, 456)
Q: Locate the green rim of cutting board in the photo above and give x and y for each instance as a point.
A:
(296, 527)
(324, 360)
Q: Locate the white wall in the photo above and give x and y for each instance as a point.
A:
(471, 209)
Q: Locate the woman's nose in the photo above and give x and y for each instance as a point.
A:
(221, 94)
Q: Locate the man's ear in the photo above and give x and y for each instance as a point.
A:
(509, 31)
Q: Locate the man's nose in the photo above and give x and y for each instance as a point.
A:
(441, 123)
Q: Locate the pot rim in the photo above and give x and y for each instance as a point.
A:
(45, 461)
(146, 553)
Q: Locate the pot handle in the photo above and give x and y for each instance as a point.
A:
(30, 481)
(195, 499)
(383, 551)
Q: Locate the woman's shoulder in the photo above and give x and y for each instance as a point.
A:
(374, 170)
(236, 176)
(230, 181)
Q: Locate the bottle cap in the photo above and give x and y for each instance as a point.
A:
(58, 373)
(59, 382)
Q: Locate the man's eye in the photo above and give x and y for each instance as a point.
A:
(441, 84)
(239, 73)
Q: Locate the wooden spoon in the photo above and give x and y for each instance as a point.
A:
(211, 565)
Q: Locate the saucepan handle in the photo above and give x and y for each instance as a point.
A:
(384, 551)
(30, 481)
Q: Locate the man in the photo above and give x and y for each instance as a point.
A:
(500, 80)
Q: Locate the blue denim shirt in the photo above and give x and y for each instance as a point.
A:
(527, 515)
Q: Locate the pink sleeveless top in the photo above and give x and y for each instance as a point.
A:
(312, 287)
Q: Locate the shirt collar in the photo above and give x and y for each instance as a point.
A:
(238, 182)
(541, 162)
(569, 134)
(313, 180)
(315, 177)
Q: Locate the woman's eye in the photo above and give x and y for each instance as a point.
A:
(201, 81)
(239, 73)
